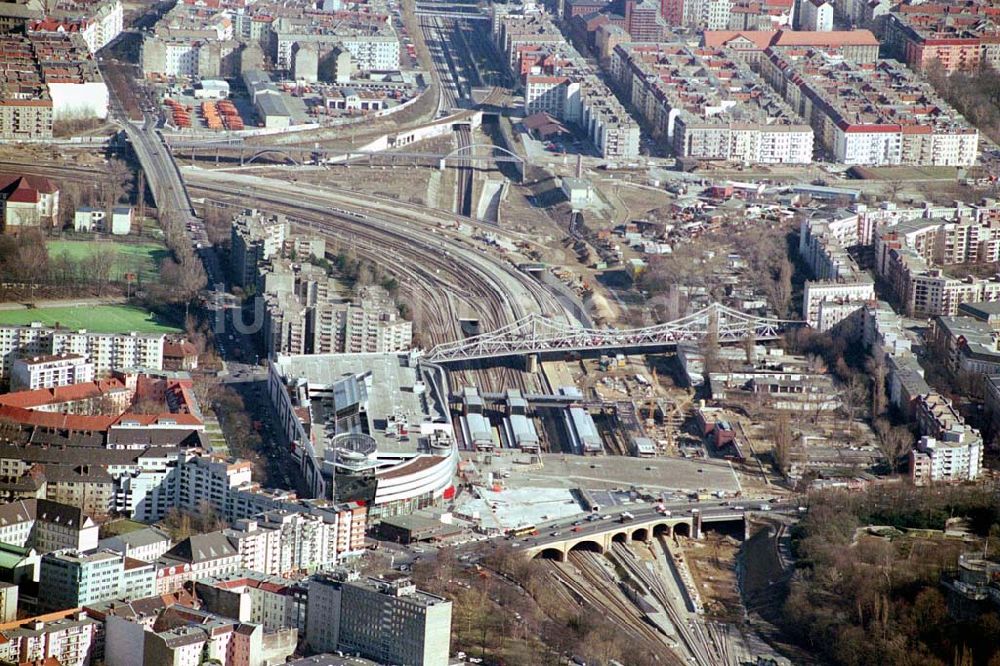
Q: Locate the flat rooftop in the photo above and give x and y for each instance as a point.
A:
(389, 393)
(611, 472)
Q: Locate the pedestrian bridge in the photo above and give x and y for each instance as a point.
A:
(640, 529)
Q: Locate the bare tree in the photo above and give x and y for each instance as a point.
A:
(782, 439)
(893, 441)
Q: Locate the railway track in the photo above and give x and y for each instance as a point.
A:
(435, 272)
(587, 582)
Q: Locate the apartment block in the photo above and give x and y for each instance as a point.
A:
(934, 460)
(557, 80)
(98, 22)
(70, 579)
(760, 15)
(386, 620)
(913, 254)
(182, 635)
(209, 555)
(371, 41)
(709, 105)
(26, 109)
(955, 36)
(966, 345)
(275, 603)
(305, 313)
(282, 542)
(255, 237)
(875, 115)
(39, 372)
(46, 526)
(69, 638)
(856, 46)
(816, 15)
(105, 351)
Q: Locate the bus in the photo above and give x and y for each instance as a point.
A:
(523, 530)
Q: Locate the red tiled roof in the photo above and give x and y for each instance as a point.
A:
(48, 396)
(37, 182)
(833, 38)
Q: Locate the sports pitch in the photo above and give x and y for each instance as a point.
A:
(141, 258)
(96, 318)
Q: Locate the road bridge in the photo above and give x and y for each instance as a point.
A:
(536, 334)
(598, 536)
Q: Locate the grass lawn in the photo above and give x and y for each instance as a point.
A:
(97, 318)
(123, 526)
(141, 258)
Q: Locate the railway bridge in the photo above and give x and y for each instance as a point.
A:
(536, 334)
(598, 536)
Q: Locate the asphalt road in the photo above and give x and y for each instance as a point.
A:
(608, 522)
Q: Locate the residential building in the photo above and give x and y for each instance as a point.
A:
(199, 556)
(70, 579)
(557, 80)
(146, 545)
(936, 460)
(50, 371)
(121, 220)
(955, 36)
(816, 15)
(966, 346)
(46, 526)
(255, 238)
(387, 620)
(87, 219)
(708, 105)
(181, 635)
(949, 449)
(881, 115)
(913, 253)
(276, 603)
(71, 75)
(373, 44)
(28, 201)
(69, 638)
(98, 22)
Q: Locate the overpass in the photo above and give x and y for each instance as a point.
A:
(476, 154)
(535, 334)
(598, 536)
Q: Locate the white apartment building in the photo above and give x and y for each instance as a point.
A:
(105, 351)
(372, 48)
(816, 294)
(281, 542)
(868, 116)
(70, 579)
(35, 372)
(112, 351)
(816, 15)
(46, 526)
(181, 57)
(71, 640)
(950, 459)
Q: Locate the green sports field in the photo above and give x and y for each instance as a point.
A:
(141, 258)
(97, 318)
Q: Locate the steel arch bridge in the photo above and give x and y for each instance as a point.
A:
(536, 334)
(496, 153)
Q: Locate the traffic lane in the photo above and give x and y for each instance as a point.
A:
(608, 522)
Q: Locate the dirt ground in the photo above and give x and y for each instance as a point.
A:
(712, 561)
